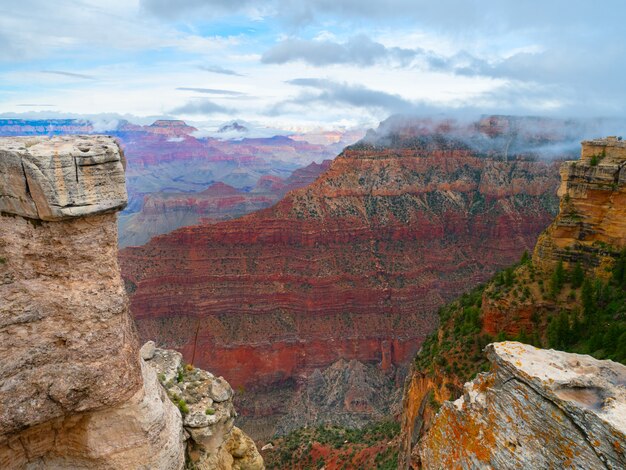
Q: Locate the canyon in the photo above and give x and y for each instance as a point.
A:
(350, 268)
(315, 308)
(569, 295)
(172, 166)
(75, 389)
(164, 211)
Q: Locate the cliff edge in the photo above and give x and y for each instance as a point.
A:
(74, 392)
(569, 296)
(535, 409)
(591, 225)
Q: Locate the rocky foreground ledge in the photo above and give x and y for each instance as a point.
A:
(74, 391)
(535, 409)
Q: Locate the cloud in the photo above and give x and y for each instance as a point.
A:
(359, 50)
(34, 105)
(452, 15)
(212, 91)
(219, 69)
(354, 95)
(185, 8)
(201, 107)
(69, 74)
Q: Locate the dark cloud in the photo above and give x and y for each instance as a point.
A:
(359, 50)
(69, 74)
(201, 107)
(335, 93)
(211, 91)
(218, 69)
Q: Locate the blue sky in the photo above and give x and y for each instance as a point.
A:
(317, 63)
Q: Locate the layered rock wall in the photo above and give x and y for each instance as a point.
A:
(522, 301)
(591, 224)
(353, 266)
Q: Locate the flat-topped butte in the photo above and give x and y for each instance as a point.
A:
(62, 177)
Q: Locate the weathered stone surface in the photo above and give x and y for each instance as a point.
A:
(206, 404)
(535, 409)
(67, 341)
(147, 351)
(591, 225)
(144, 432)
(61, 177)
(73, 391)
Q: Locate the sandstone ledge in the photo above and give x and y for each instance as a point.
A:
(535, 409)
(61, 177)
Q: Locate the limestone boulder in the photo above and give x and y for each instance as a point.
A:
(535, 409)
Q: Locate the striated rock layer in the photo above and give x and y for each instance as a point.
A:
(591, 226)
(73, 392)
(163, 212)
(535, 409)
(580, 311)
(61, 177)
(353, 266)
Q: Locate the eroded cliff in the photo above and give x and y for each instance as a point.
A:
(74, 392)
(591, 225)
(351, 267)
(570, 295)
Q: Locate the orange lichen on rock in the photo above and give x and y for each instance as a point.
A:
(535, 410)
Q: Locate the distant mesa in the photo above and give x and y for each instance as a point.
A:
(233, 127)
(172, 127)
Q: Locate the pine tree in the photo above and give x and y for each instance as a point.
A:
(558, 278)
(525, 257)
(589, 306)
(523, 337)
(619, 270)
(578, 275)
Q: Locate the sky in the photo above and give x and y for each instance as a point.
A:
(311, 64)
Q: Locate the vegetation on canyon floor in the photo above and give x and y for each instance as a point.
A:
(337, 448)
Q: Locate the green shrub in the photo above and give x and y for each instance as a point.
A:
(182, 406)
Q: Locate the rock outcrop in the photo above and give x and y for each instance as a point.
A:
(348, 394)
(591, 225)
(352, 267)
(571, 295)
(205, 401)
(73, 391)
(535, 409)
(62, 177)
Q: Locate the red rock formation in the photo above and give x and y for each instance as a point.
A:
(353, 266)
(163, 212)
